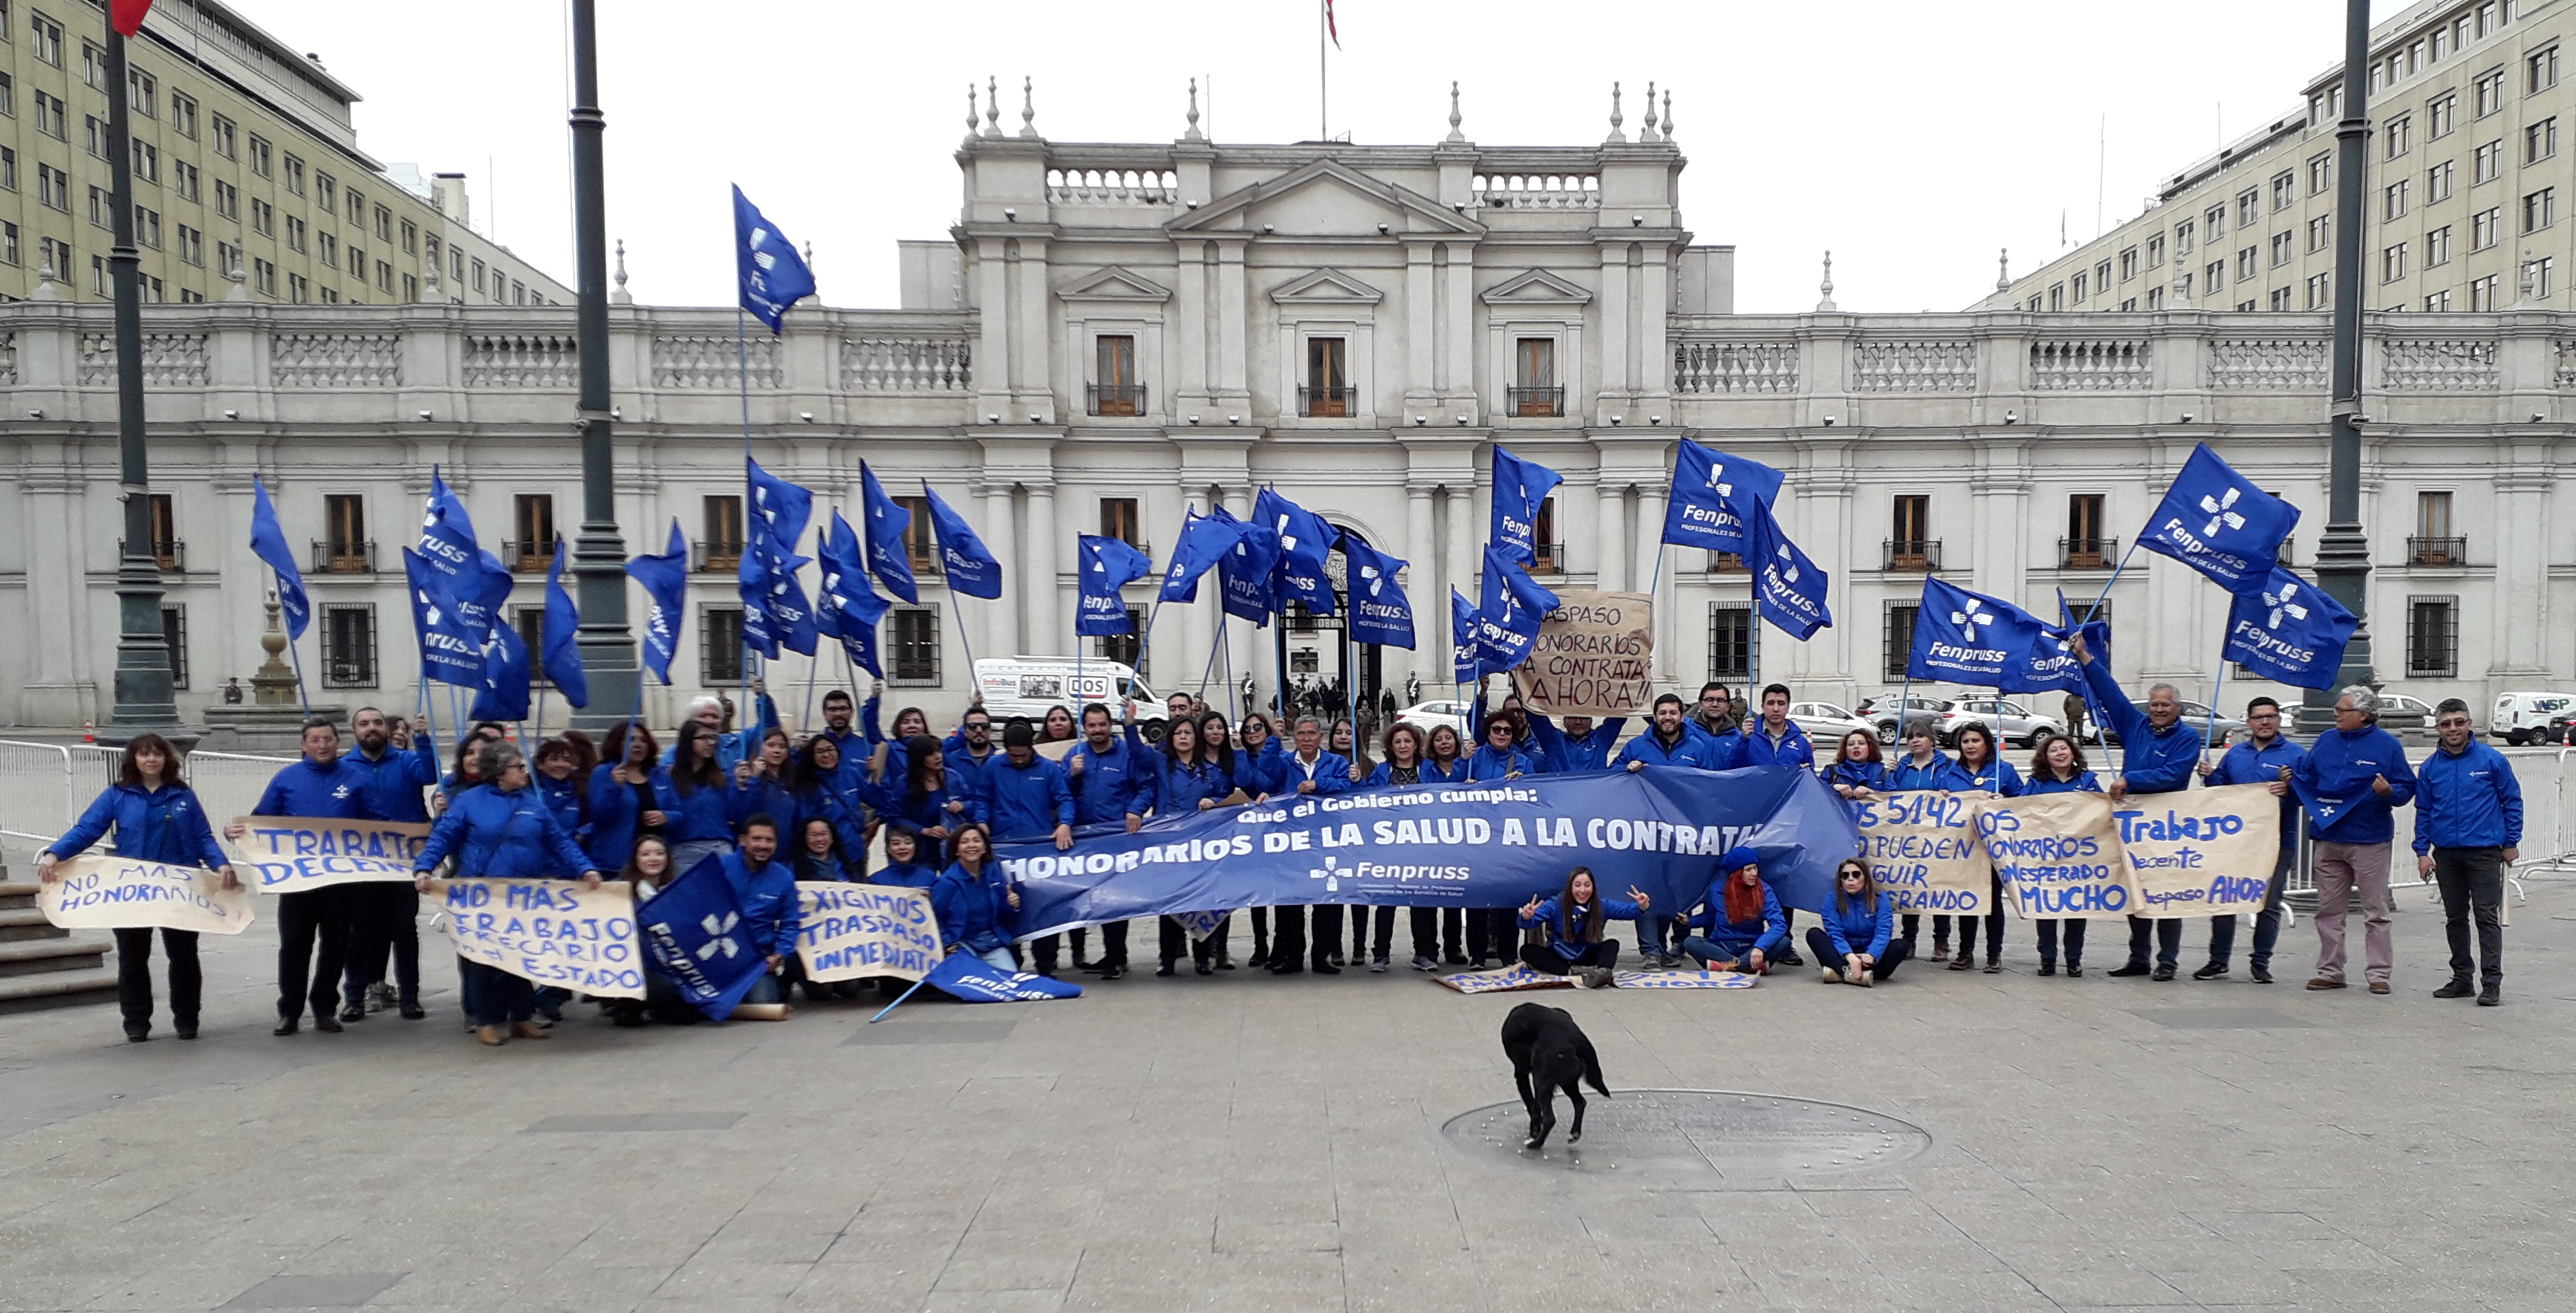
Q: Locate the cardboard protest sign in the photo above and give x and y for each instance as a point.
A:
(1503, 979)
(2203, 852)
(850, 931)
(1922, 847)
(2058, 853)
(118, 893)
(1592, 656)
(1687, 980)
(291, 854)
(553, 932)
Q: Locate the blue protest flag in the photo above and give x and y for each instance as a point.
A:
(1243, 575)
(666, 584)
(779, 509)
(562, 657)
(751, 584)
(450, 653)
(1520, 488)
(889, 559)
(791, 616)
(972, 571)
(773, 276)
(2057, 670)
(1380, 612)
(1105, 565)
(481, 595)
(1466, 649)
(448, 548)
(2289, 630)
(268, 543)
(1788, 589)
(1970, 638)
(693, 937)
(1204, 541)
(966, 978)
(847, 608)
(1304, 541)
(2217, 522)
(1510, 611)
(504, 695)
(1710, 491)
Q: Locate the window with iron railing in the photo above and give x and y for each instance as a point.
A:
(2087, 553)
(720, 548)
(349, 644)
(169, 554)
(336, 557)
(530, 621)
(1543, 540)
(174, 632)
(1114, 398)
(920, 539)
(534, 548)
(2432, 637)
(1115, 389)
(1734, 640)
(1900, 638)
(720, 644)
(2447, 550)
(1921, 554)
(913, 647)
(1534, 391)
(1129, 647)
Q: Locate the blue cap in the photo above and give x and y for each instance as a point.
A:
(1736, 859)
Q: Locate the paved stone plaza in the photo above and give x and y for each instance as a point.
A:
(1243, 1143)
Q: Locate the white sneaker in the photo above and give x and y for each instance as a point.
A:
(1832, 977)
(1862, 979)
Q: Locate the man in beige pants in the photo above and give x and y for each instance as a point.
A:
(2350, 782)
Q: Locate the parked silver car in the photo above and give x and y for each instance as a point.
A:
(2017, 725)
(1889, 713)
(2219, 731)
(1824, 724)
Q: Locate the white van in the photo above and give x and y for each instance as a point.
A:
(1028, 685)
(2522, 718)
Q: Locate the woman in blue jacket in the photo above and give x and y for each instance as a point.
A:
(501, 831)
(1189, 779)
(972, 902)
(2058, 767)
(761, 786)
(826, 785)
(629, 797)
(557, 780)
(920, 800)
(903, 864)
(1405, 767)
(1256, 772)
(1499, 757)
(1573, 920)
(1924, 767)
(1856, 771)
(1741, 921)
(156, 818)
(700, 825)
(1857, 942)
(1987, 773)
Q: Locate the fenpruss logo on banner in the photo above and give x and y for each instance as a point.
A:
(2221, 512)
(1969, 619)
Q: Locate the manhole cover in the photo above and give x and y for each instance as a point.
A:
(1698, 1139)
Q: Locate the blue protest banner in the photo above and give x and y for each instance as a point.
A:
(1509, 612)
(693, 937)
(449, 651)
(1466, 648)
(771, 276)
(1204, 541)
(268, 543)
(1305, 540)
(1520, 488)
(779, 509)
(504, 694)
(561, 659)
(1710, 491)
(1788, 589)
(1243, 574)
(2289, 630)
(847, 608)
(1380, 612)
(1480, 845)
(2216, 521)
(1970, 638)
(666, 586)
(889, 558)
(1103, 566)
(971, 569)
(965, 977)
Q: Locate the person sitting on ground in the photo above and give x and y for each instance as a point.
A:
(1741, 918)
(648, 869)
(818, 855)
(1573, 920)
(771, 913)
(1856, 943)
(972, 903)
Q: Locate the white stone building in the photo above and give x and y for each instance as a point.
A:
(1118, 331)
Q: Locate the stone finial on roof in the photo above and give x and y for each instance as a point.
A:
(1455, 118)
(1029, 108)
(1615, 120)
(1826, 306)
(1193, 133)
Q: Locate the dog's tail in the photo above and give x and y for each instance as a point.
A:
(1592, 1070)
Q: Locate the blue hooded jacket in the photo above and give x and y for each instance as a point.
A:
(1997, 777)
(1727, 751)
(166, 825)
(1561, 927)
(614, 814)
(1855, 927)
(1488, 765)
(1177, 787)
(908, 876)
(2244, 763)
(1023, 802)
(1938, 773)
(2151, 762)
(2467, 799)
(1111, 785)
(395, 779)
(972, 909)
(1561, 754)
(770, 909)
(1870, 775)
(501, 836)
(1792, 749)
(1767, 931)
(1332, 773)
(2341, 766)
(337, 792)
(696, 815)
(1694, 748)
(2039, 784)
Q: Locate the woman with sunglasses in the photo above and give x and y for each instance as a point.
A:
(1857, 943)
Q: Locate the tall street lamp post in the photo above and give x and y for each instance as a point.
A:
(608, 654)
(2343, 556)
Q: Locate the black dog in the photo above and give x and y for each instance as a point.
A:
(1543, 1042)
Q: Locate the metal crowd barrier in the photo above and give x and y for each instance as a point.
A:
(45, 786)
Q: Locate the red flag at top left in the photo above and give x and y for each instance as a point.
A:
(126, 16)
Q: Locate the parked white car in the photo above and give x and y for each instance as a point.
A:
(1426, 716)
(2522, 718)
(1824, 724)
(2017, 725)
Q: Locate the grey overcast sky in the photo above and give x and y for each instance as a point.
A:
(1913, 139)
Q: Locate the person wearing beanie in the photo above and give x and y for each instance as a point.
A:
(1741, 924)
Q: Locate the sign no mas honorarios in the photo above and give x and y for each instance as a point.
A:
(1593, 656)
(291, 854)
(118, 893)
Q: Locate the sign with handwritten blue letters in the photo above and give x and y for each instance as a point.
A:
(2058, 854)
(291, 854)
(852, 931)
(2203, 852)
(554, 932)
(1923, 850)
(103, 892)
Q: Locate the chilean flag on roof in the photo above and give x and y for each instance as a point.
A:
(126, 16)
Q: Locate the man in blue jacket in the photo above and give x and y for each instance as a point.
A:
(770, 911)
(1776, 740)
(323, 786)
(1308, 771)
(2158, 754)
(838, 713)
(737, 746)
(1579, 746)
(1112, 785)
(2261, 759)
(969, 751)
(2350, 781)
(384, 916)
(1024, 796)
(2468, 828)
(1668, 741)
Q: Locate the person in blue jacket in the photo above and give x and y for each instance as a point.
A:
(2468, 828)
(972, 902)
(322, 786)
(1309, 771)
(815, 853)
(1113, 784)
(2158, 754)
(628, 797)
(1776, 740)
(384, 915)
(1670, 741)
(1857, 771)
(903, 862)
(1022, 797)
(2262, 759)
(762, 782)
(2356, 773)
(1256, 758)
(1988, 773)
(1499, 757)
(968, 751)
(838, 711)
(1925, 767)
(2058, 767)
(771, 914)
(823, 784)
(1857, 943)
(501, 830)
(731, 745)
(1573, 925)
(1581, 745)
(700, 822)
(1189, 777)
(156, 817)
(1741, 918)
